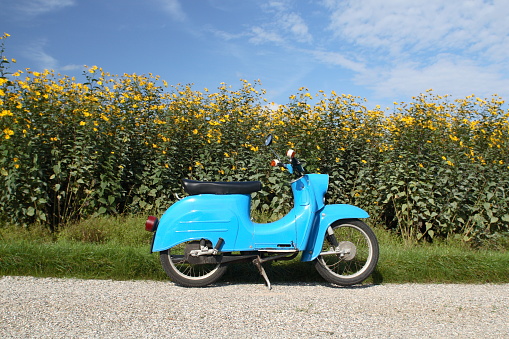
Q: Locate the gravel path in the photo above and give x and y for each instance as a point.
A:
(65, 308)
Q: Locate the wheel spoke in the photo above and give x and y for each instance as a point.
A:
(352, 242)
(186, 269)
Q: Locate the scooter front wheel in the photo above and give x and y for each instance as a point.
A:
(189, 271)
(349, 253)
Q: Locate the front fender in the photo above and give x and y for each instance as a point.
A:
(328, 215)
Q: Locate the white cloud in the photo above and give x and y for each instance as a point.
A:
(174, 9)
(456, 48)
(405, 27)
(338, 59)
(32, 8)
(260, 35)
(71, 67)
(36, 53)
(43, 60)
(293, 23)
(455, 76)
(225, 36)
(281, 26)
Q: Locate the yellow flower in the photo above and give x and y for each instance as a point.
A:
(8, 132)
(82, 123)
(195, 131)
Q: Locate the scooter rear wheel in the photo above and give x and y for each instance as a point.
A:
(185, 273)
(349, 255)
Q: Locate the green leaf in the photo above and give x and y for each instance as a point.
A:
(30, 211)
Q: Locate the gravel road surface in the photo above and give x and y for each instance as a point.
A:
(72, 308)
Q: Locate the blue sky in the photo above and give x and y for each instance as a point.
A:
(381, 50)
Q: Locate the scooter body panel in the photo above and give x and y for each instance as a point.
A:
(207, 216)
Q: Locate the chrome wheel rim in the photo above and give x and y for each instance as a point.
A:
(353, 254)
(177, 258)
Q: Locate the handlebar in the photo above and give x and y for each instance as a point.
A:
(294, 167)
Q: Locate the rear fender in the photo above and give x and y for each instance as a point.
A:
(327, 217)
(202, 217)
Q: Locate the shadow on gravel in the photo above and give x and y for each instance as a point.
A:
(287, 273)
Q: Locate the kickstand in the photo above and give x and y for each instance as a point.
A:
(258, 264)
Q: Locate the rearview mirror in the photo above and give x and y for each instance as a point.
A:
(268, 140)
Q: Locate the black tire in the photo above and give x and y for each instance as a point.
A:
(187, 274)
(356, 256)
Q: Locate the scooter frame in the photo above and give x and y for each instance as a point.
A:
(224, 220)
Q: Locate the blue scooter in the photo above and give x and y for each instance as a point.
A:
(199, 235)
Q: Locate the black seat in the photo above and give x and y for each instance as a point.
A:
(194, 187)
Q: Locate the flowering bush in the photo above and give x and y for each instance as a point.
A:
(120, 144)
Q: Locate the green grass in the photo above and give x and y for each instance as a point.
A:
(118, 248)
(78, 260)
